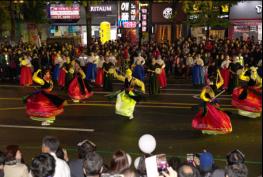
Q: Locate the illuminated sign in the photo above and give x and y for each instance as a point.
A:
(63, 12)
(167, 13)
(259, 9)
(128, 15)
(105, 32)
(101, 8)
(225, 8)
(129, 24)
(144, 17)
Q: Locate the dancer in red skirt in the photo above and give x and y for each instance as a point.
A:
(248, 99)
(41, 105)
(26, 72)
(99, 77)
(210, 119)
(162, 77)
(77, 89)
(225, 72)
(63, 72)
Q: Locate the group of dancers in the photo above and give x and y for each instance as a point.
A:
(44, 106)
(247, 99)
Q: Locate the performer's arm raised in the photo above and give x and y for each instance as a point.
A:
(203, 96)
(140, 84)
(38, 79)
(118, 77)
(221, 80)
(243, 76)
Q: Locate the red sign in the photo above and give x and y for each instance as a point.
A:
(62, 11)
(130, 24)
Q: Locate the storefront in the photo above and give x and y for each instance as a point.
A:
(246, 19)
(104, 12)
(165, 25)
(161, 22)
(215, 32)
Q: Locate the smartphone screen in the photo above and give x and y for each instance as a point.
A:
(189, 158)
(155, 165)
(162, 163)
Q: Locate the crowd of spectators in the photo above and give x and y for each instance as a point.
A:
(179, 57)
(53, 161)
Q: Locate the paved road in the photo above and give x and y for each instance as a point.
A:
(167, 117)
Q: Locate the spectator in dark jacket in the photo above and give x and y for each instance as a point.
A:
(85, 147)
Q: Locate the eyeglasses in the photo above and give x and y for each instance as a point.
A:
(86, 141)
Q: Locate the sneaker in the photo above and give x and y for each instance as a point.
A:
(75, 101)
(45, 123)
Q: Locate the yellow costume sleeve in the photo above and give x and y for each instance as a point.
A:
(202, 95)
(259, 81)
(140, 84)
(119, 77)
(221, 80)
(243, 77)
(37, 79)
(83, 75)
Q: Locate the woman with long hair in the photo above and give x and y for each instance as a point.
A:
(42, 105)
(119, 163)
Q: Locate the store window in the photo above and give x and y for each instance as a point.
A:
(245, 32)
(163, 33)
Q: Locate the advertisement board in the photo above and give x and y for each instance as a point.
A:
(64, 12)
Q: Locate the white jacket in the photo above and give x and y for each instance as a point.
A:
(62, 168)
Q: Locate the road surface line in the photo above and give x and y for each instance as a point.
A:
(138, 105)
(168, 94)
(47, 128)
(19, 86)
(102, 101)
(167, 84)
(11, 108)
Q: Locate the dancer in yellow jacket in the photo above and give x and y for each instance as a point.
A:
(128, 96)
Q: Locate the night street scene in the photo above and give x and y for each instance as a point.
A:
(135, 88)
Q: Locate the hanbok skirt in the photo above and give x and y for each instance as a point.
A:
(226, 77)
(251, 106)
(55, 74)
(138, 72)
(42, 106)
(162, 79)
(77, 89)
(91, 71)
(214, 121)
(107, 82)
(125, 104)
(99, 78)
(154, 86)
(26, 76)
(62, 78)
(198, 75)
